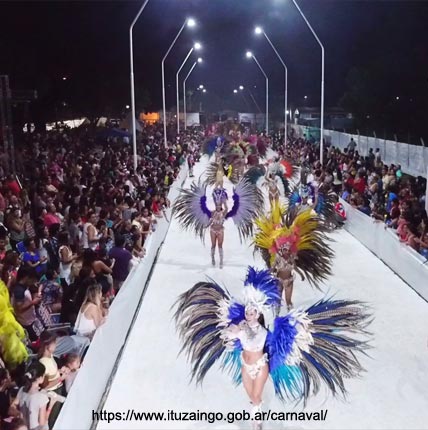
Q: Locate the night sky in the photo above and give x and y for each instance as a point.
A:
(40, 42)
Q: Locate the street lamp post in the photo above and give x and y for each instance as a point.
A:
(195, 46)
(251, 55)
(199, 60)
(131, 58)
(190, 23)
(322, 82)
(259, 30)
(241, 88)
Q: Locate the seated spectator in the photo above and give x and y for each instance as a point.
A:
(394, 214)
(51, 291)
(72, 363)
(91, 314)
(53, 377)
(17, 424)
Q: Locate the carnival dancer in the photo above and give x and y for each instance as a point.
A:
(274, 172)
(272, 187)
(190, 163)
(308, 196)
(294, 242)
(191, 210)
(301, 351)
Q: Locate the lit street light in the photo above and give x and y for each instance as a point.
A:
(204, 90)
(196, 46)
(241, 87)
(259, 30)
(189, 22)
(235, 91)
(199, 60)
(127, 107)
(201, 87)
(249, 54)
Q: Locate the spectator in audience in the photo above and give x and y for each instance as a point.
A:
(51, 291)
(66, 257)
(24, 302)
(122, 259)
(92, 314)
(34, 404)
(17, 424)
(32, 257)
(53, 376)
(72, 362)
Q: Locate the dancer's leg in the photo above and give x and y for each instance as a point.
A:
(289, 292)
(247, 382)
(220, 239)
(213, 243)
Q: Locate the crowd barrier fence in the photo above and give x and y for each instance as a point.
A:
(412, 158)
(384, 243)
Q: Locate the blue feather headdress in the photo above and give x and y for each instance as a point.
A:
(261, 290)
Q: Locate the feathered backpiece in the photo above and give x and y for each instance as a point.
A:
(215, 173)
(308, 349)
(191, 209)
(12, 334)
(202, 316)
(288, 170)
(248, 204)
(253, 174)
(325, 207)
(300, 234)
(213, 143)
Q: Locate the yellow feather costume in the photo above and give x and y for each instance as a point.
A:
(11, 332)
(302, 234)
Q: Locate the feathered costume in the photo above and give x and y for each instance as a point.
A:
(300, 235)
(324, 203)
(216, 170)
(191, 208)
(305, 349)
(283, 171)
(12, 334)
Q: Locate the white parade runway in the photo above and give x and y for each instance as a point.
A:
(391, 394)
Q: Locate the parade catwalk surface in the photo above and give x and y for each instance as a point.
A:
(151, 377)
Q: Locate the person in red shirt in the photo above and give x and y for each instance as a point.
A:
(51, 216)
(360, 184)
(156, 209)
(13, 185)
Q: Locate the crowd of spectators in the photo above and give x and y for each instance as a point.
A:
(380, 191)
(73, 222)
(77, 216)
